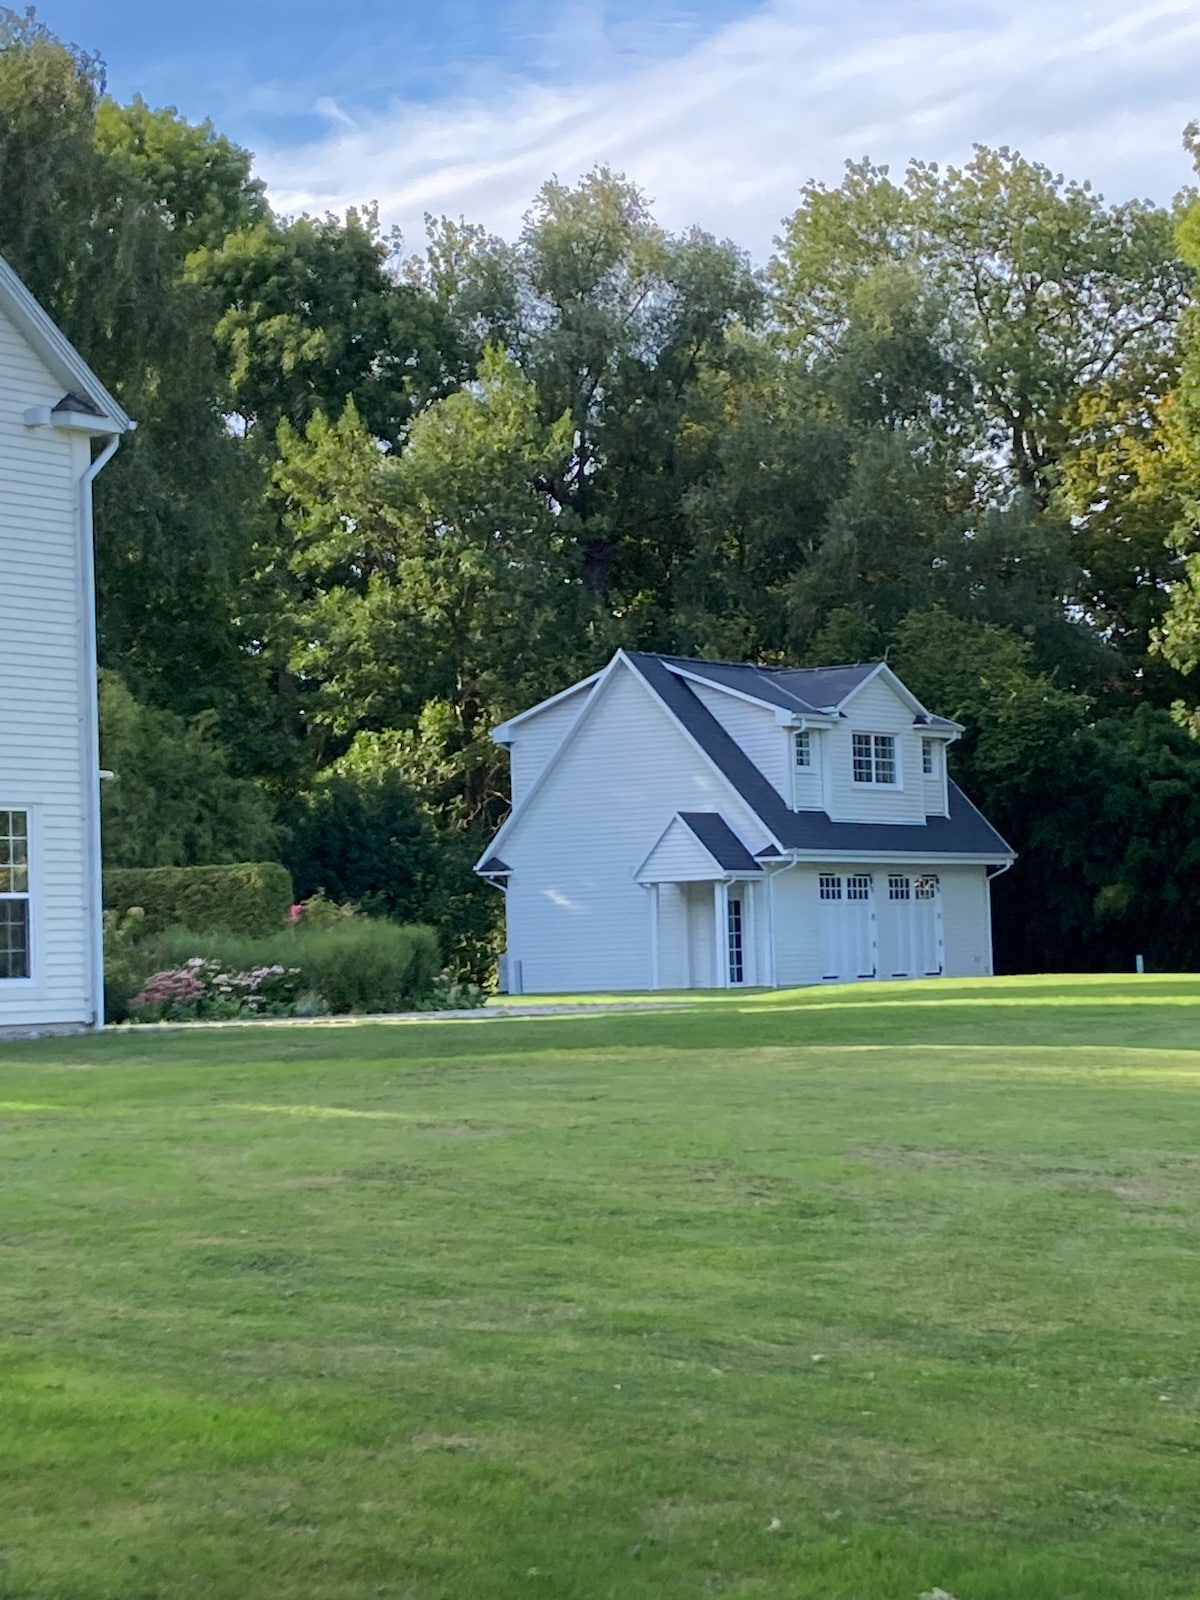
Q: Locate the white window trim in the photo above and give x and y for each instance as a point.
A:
(897, 763)
(33, 983)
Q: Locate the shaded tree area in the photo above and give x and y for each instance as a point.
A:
(382, 497)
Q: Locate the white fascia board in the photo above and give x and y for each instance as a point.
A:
(598, 681)
(56, 350)
(502, 732)
(799, 858)
(76, 422)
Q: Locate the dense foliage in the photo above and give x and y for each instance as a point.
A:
(382, 498)
(252, 897)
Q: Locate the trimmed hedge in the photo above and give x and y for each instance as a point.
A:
(252, 897)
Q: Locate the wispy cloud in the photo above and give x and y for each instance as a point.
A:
(724, 130)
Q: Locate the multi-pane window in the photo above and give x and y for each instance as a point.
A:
(831, 886)
(737, 966)
(874, 758)
(899, 887)
(926, 888)
(927, 757)
(803, 750)
(858, 886)
(14, 895)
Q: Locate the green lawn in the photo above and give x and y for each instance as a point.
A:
(837, 1294)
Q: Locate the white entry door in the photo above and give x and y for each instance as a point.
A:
(910, 935)
(847, 925)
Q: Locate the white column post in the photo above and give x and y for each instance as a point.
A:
(655, 980)
(721, 918)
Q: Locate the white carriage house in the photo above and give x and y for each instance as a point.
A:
(685, 824)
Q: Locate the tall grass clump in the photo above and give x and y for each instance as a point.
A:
(359, 964)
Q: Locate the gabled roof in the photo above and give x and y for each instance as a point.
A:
(719, 839)
(84, 391)
(493, 867)
(964, 832)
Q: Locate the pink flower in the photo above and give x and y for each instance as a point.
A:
(296, 912)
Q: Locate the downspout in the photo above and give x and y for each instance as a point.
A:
(90, 731)
(989, 879)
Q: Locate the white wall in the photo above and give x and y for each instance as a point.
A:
(673, 969)
(936, 796)
(875, 709)
(577, 919)
(764, 740)
(41, 681)
(966, 921)
(536, 740)
(797, 932)
(679, 857)
(701, 937)
(966, 917)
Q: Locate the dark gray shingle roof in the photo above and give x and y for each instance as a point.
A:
(966, 831)
(795, 689)
(719, 839)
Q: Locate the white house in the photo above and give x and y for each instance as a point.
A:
(694, 824)
(58, 427)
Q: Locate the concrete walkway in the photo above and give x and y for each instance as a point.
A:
(488, 1013)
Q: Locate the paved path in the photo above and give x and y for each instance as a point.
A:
(488, 1013)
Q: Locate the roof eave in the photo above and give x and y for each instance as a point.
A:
(56, 350)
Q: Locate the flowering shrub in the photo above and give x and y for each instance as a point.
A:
(319, 912)
(450, 993)
(204, 989)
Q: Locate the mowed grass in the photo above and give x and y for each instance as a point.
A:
(838, 1294)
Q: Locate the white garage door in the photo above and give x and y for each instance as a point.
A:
(910, 927)
(847, 925)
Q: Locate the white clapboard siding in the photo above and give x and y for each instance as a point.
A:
(874, 709)
(967, 921)
(797, 926)
(537, 738)
(936, 796)
(679, 857)
(753, 727)
(673, 902)
(577, 918)
(41, 684)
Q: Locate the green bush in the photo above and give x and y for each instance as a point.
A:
(359, 964)
(250, 898)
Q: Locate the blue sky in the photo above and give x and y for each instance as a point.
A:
(719, 108)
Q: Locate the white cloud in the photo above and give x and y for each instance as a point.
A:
(725, 133)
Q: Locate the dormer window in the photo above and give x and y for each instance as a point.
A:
(927, 757)
(875, 758)
(803, 751)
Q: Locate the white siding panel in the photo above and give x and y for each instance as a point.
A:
(537, 739)
(797, 929)
(966, 921)
(40, 684)
(702, 937)
(577, 918)
(679, 857)
(875, 709)
(753, 727)
(672, 937)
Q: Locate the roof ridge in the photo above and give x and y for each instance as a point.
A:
(749, 666)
